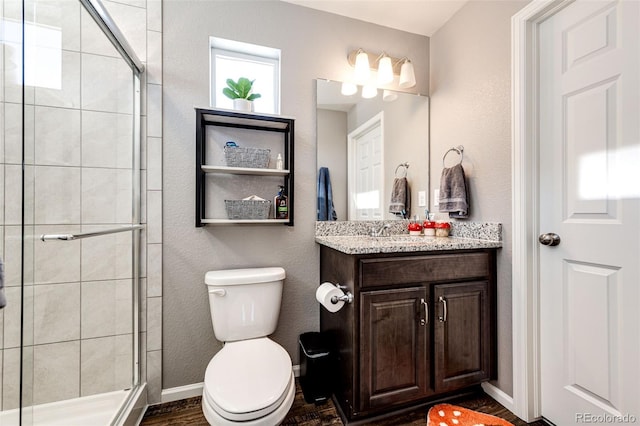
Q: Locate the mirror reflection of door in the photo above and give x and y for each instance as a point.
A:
(366, 170)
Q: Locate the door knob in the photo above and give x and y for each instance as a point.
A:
(549, 239)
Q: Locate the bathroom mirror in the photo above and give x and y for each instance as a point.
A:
(364, 144)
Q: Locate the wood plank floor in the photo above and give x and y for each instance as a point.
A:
(189, 412)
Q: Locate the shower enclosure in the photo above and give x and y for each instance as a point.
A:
(70, 216)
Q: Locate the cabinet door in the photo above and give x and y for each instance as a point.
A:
(462, 335)
(394, 332)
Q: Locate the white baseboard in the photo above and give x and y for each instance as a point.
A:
(181, 392)
(498, 395)
(195, 389)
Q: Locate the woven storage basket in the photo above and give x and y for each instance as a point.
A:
(247, 157)
(247, 209)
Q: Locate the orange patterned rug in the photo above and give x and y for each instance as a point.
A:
(452, 415)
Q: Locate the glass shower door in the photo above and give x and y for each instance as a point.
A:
(11, 130)
(70, 228)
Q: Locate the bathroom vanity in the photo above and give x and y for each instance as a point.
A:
(422, 324)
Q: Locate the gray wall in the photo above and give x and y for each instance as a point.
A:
(332, 136)
(470, 105)
(314, 44)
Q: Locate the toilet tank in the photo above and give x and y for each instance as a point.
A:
(244, 303)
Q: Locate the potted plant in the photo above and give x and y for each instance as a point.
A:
(240, 93)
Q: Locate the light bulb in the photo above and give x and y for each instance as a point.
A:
(369, 92)
(407, 76)
(389, 96)
(348, 89)
(362, 71)
(385, 70)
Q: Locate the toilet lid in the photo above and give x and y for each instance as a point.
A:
(248, 379)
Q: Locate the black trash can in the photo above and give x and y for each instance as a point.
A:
(315, 367)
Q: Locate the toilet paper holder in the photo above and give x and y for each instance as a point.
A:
(346, 297)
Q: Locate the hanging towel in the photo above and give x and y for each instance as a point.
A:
(454, 195)
(326, 210)
(3, 300)
(400, 204)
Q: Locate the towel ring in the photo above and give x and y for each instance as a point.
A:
(405, 166)
(459, 149)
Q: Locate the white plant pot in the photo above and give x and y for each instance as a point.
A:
(243, 105)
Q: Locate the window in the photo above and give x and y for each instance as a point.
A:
(233, 59)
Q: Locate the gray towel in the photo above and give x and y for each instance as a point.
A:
(454, 196)
(3, 300)
(400, 203)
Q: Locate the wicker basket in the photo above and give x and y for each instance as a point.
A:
(247, 209)
(256, 158)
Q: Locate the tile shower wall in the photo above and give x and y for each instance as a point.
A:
(76, 343)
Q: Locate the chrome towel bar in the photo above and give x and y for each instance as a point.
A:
(70, 237)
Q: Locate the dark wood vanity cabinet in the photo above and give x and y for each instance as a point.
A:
(462, 335)
(394, 354)
(421, 327)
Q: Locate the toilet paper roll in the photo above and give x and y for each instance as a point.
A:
(325, 292)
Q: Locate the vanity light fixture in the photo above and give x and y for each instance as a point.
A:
(362, 70)
(369, 91)
(385, 70)
(386, 67)
(407, 75)
(348, 89)
(389, 96)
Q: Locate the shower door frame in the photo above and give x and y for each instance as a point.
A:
(136, 400)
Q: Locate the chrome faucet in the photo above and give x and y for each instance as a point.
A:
(378, 232)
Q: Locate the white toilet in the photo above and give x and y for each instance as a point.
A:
(250, 380)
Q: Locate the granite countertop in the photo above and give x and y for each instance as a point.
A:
(359, 244)
(351, 237)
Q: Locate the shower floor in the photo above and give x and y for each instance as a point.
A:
(95, 410)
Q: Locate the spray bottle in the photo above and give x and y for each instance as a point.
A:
(281, 205)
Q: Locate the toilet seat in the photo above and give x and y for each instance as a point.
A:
(274, 418)
(248, 379)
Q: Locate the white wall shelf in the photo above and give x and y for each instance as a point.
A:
(243, 170)
(247, 221)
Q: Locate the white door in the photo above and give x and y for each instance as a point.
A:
(589, 196)
(366, 178)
